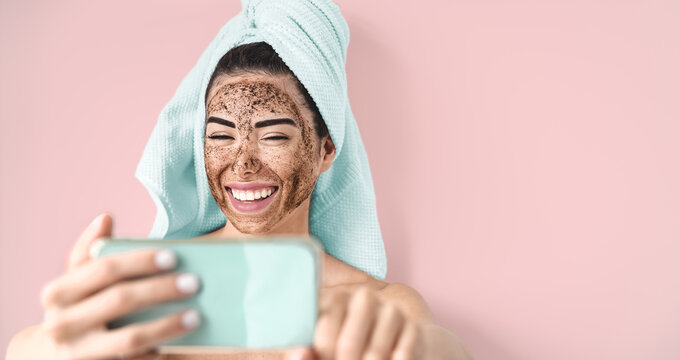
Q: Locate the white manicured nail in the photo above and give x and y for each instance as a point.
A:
(96, 222)
(191, 319)
(165, 259)
(187, 283)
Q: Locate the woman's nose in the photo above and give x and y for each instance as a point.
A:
(248, 167)
(246, 164)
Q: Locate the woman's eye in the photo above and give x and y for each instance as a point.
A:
(221, 137)
(276, 137)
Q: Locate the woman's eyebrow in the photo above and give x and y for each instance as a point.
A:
(271, 122)
(259, 124)
(215, 119)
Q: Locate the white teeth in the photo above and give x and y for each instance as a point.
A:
(243, 195)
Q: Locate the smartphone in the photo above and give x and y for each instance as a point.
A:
(256, 293)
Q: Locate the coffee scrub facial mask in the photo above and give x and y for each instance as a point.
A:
(262, 157)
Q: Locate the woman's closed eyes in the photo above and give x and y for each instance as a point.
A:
(276, 137)
(221, 137)
(227, 137)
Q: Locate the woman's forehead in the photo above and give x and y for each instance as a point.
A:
(284, 84)
(280, 83)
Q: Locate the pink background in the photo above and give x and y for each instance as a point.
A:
(525, 155)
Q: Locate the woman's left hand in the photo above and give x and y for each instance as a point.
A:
(360, 325)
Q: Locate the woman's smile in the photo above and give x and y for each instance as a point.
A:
(251, 197)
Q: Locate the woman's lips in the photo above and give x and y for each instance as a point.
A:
(251, 205)
(249, 185)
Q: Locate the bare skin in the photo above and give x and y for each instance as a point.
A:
(360, 317)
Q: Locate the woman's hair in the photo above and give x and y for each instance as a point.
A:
(261, 57)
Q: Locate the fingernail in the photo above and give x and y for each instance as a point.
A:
(191, 319)
(165, 259)
(187, 283)
(95, 223)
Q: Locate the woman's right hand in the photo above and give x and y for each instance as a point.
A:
(93, 292)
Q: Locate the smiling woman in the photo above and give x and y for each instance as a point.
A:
(269, 157)
(265, 146)
(265, 143)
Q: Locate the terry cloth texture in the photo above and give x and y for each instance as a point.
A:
(311, 37)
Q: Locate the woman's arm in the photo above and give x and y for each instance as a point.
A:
(443, 344)
(438, 342)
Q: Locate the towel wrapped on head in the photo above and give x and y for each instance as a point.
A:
(311, 37)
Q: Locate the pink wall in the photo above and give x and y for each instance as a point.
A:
(525, 155)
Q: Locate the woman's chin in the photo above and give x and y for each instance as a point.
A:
(253, 228)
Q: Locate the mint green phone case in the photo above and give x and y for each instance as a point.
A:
(255, 293)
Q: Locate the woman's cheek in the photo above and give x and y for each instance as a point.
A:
(304, 175)
(279, 159)
(216, 161)
(217, 154)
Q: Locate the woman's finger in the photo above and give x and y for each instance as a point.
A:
(100, 273)
(387, 328)
(361, 312)
(118, 300)
(138, 339)
(332, 306)
(101, 226)
(408, 344)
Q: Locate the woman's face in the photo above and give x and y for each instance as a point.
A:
(262, 155)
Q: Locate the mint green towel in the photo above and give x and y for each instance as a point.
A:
(311, 37)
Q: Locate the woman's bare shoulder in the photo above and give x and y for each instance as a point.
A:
(338, 275)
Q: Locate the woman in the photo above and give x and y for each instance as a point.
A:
(265, 145)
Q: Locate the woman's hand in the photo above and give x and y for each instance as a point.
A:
(360, 325)
(95, 291)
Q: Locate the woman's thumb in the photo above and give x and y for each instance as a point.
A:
(100, 227)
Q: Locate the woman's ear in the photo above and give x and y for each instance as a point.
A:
(327, 153)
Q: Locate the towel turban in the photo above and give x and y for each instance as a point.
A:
(311, 37)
